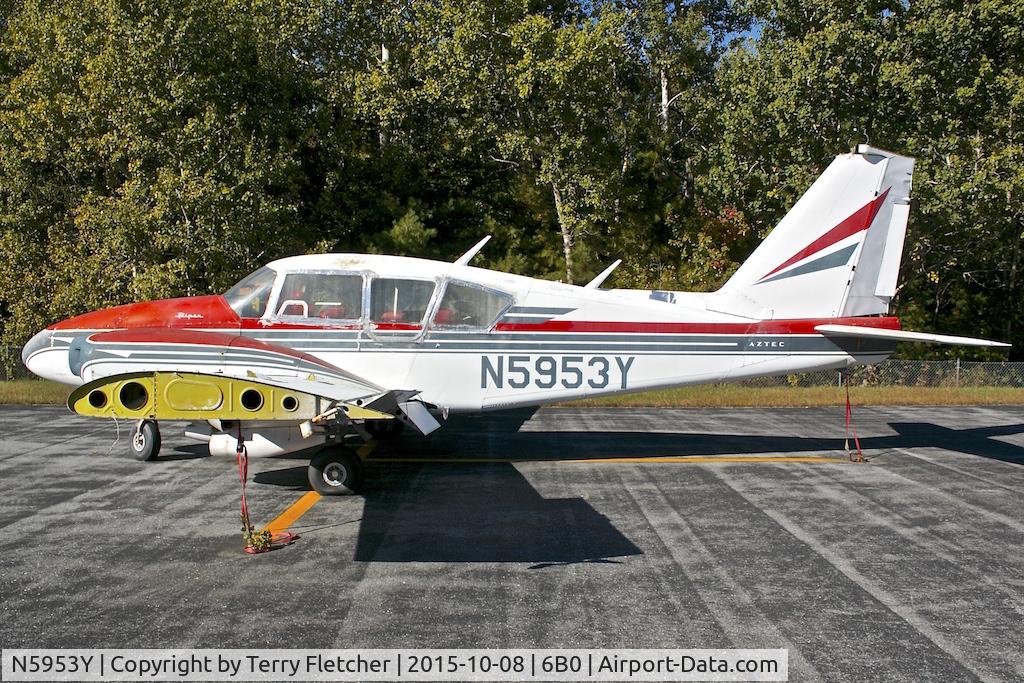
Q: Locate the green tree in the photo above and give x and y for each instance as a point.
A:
(936, 80)
(958, 71)
(150, 149)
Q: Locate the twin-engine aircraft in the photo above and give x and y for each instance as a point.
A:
(308, 348)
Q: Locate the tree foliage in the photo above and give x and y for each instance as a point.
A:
(159, 148)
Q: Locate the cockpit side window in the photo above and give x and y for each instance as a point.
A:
(465, 306)
(326, 296)
(399, 301)
(250, 296)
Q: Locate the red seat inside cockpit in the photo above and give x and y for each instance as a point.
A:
(393, 317)
(334, 312)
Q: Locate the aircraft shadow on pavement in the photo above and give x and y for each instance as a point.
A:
(471, 513)
(192, 451)
(979, 441)
(488, 511)
(488, 441)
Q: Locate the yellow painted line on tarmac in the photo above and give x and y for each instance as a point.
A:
(629, 459)
(303, 505)
(293, 513)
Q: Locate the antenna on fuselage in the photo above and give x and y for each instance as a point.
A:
(596, 282)
(468, 256)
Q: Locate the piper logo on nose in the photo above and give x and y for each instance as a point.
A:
(181, 315)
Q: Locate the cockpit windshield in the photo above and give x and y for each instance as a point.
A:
(249, 297)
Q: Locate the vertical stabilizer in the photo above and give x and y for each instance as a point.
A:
(837, 252)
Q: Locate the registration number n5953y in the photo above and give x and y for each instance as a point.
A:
(548, 372)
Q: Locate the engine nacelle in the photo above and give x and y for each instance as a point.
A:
(188, 396)
(269, 440)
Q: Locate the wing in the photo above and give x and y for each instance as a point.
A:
(855, 332)
(108, 354)
(191, 375)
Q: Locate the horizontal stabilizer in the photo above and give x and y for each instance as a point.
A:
(902, 335)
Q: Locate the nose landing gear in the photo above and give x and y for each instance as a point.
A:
(145, 440)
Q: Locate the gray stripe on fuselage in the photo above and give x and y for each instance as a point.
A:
(342, 341)
(519, 320)
(538, 310)
(748, 346)
(563, 343)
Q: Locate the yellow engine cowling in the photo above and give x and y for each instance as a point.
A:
(190, 396)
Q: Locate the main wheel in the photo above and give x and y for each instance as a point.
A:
(335, 471)
(383, 430)
(145, 441)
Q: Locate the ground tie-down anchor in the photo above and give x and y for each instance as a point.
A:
(850, 427)
(262, 541)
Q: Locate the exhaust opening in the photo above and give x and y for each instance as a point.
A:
(97, 399)
(133, 396)
(251, 399)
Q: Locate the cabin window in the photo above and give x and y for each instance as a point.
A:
(327, 296)
(399, 301)
(250, 296)
(469, 306)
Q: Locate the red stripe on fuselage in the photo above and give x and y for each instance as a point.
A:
(859, 221)
(804, 326)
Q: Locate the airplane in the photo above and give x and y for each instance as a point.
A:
(310, 348)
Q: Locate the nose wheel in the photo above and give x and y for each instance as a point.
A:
(145, 440)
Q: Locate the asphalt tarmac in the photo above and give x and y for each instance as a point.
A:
(563, 528)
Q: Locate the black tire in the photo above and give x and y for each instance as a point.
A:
(382, 430)
(145, 441)
(335, 471)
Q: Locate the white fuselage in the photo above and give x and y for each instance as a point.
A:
(555, 342)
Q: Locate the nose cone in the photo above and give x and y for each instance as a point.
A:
(46, 356)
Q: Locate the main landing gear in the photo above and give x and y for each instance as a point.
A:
(335, 471)
(145, 440)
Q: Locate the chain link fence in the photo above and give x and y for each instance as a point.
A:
(10, 364)
(909, 373)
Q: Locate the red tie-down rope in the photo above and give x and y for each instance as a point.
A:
(859, 457)
(271, 541)
(242, 457)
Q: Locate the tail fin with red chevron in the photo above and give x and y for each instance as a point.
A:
(837, 252)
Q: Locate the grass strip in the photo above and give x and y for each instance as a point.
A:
(33, 392)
